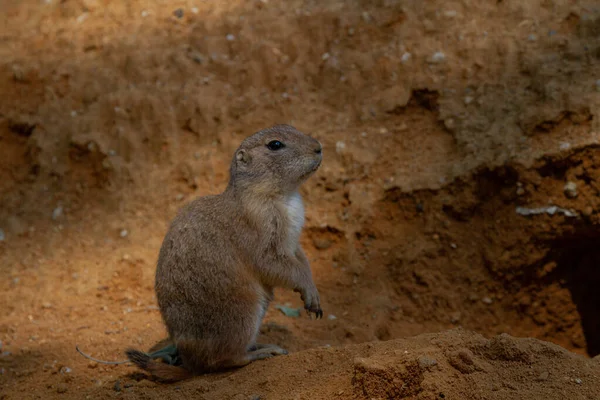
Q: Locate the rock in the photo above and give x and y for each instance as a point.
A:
(56, 214)
(427, 362)
(487, 300)
(437, 57)
(124, 233)
(322, 244)
(543, 376)
(570, 189)
(331, 317)
(230, 37)
(179, 14)
(117, 386)
(289, 311)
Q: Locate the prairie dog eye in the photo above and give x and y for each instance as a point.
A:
(275, 145)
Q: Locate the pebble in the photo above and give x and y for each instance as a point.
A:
(520, 191)
(578, 381)
(57, 213)
(570, 189)
(469, 99)
(532, 38)
(340, 146)
(117, 386)
(405, 57)
(322, 244)
(543, 376)
(2, 236)
(438, 57)
(487, 300)
(331, 317)
(565, 146)
(427, 362)
(144, 13)
(453, 245)
(124, 233)
(65, 370)
(178, 13)
(230, 37)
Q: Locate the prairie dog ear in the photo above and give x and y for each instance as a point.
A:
(242, 156)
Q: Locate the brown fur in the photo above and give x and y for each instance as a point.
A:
(224, 254)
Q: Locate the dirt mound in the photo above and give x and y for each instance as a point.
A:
(454, 364)
(459, 187)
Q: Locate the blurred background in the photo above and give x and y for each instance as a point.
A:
(459, 186)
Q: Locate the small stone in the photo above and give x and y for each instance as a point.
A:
(46, 305)
(468, 99)
(453, 245)
(340, 146)
(405, 58)
(179, 196)
(532, 38)
(570, 189)
(578, 381)
(325, 56)
(145, 13)
(565, 146)
(57, 213)
(436, 236)
(179, 14)
(322, 244)
(61, 388)
(427, 362)
(124, 233)
(331, 317)
(588, 211)
(520, 191)
(92, 365)
(230, 37)
(438, 57)
(65, 370)
(487, 300)
(117, 386)
(450, 13)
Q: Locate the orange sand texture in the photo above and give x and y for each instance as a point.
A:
(453, 227)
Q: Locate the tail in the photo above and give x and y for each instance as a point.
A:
(162, 371)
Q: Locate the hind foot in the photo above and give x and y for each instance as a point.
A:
(273, 347)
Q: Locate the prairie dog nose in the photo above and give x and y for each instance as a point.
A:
(318, 148)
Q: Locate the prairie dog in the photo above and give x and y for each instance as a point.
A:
(224, 254)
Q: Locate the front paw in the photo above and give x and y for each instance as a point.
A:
(312, 303)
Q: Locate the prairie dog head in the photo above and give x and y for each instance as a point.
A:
(275, 160)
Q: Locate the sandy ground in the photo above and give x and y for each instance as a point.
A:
(458, 194)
